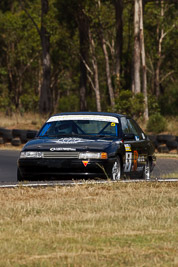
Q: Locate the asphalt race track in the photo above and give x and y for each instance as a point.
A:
(8, 167)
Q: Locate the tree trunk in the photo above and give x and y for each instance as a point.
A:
(97, 89)
(136, 48)
(96, 79)
(108, 73)
(45, 92)
(84, 47)
(119, 40)
(107, 66)
(160, 34)
(144, 71)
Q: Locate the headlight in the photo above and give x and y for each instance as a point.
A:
(93, 155)
(31, 154)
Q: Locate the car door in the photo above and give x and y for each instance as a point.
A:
(135, 148)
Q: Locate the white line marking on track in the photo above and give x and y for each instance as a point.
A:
(73, 183)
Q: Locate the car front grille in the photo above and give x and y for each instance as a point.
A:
(61, 155)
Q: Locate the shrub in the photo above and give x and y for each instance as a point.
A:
(156, 123)
(168, 101)
(130, 104)
(137, 103)
(29, 102)
(6, 105)
(68, 103)
(123, 102)
(153, 105)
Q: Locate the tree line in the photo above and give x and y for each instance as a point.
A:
(104, 55)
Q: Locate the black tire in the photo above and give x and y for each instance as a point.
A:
(116, 171)
(1, 131)
(152, 137)
(7, 135)
(163, 149)
(16, 141)
(1, 141)
(22, 134)
(31, 134)
(19, 176)
(156, 144)
(172, 145)
(16, 133)
(163, 138)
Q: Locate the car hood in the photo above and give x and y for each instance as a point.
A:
(71, 144)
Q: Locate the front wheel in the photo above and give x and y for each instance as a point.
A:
(147, 171)
(19, 176)
(116, 170)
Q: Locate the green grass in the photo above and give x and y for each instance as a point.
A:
(90, 225)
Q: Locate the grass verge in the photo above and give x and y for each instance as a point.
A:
(33, 121)
(170, 175)
(90, 225)
(166, 155)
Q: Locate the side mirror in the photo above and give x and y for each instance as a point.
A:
(129, 136)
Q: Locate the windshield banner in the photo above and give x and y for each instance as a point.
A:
(83, 117)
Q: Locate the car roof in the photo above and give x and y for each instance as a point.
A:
(91, 113)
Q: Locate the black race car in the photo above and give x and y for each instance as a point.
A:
(87, 144)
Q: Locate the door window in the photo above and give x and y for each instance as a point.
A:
(125, 127)
(129, 126)
(134, 128)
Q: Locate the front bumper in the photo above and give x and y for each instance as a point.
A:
(53, 168)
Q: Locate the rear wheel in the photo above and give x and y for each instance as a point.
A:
(116, 170)
(147, 171)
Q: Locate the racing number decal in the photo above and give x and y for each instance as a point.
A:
(128, 161)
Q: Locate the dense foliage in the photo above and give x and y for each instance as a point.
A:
(156, 123)
(83, 38)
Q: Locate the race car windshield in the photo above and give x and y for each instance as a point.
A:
(79, 128)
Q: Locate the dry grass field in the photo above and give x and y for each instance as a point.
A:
(91, 225)
(27, 121)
